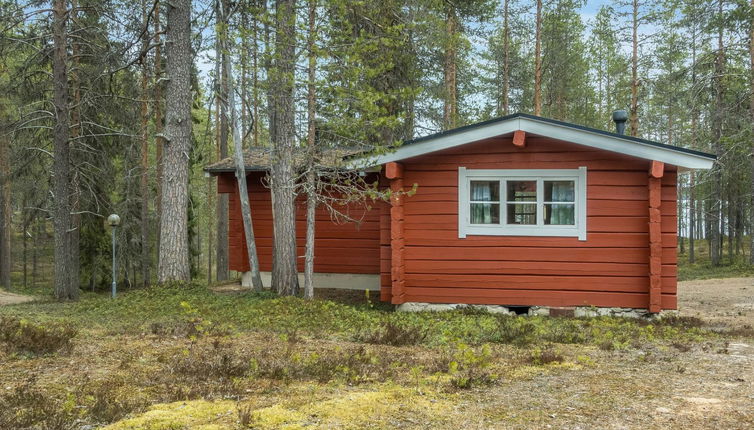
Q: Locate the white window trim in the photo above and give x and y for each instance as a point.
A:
(466, 175)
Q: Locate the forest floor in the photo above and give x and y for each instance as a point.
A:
(188, 357)
(7, 298)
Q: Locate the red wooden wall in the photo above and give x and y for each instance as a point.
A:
(610, 268)
(339, 248)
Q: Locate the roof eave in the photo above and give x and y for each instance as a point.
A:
(555, 129)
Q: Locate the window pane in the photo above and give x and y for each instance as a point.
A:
(559, 191)
(485, 191)
(485, 213)
(560, 214)
(522, 191)
(522, 213)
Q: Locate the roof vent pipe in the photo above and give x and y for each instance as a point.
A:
(620, 117)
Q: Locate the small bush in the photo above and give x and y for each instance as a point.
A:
(471, 367)
(26, 336)
(545, 355)
(28, 406)
(392, 333)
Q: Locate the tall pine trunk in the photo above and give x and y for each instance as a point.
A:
(450, 108)
(5, 207)
(221, 260)
(751, 112)
(717, 135)
(282, 173)
(174, 247)
(61, 156)
(633, 117)
(243, 192)
(311, 174)
(144, 177)
(158, 128)
(538, 61)
(506, 60)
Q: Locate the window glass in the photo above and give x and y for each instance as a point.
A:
(485, 202)
(561, 213)
(521, 197)
(522, 191)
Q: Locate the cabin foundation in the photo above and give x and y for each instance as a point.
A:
(577, 311)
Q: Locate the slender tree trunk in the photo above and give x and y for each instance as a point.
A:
(506, 59)
(144, 179)
(311, 174)
(255, 75)
(243, 191)
(221, 91)
(538, 61)
(61, 157)
(751, 112)
(634, 111)
(25, 241)
(692, 176)
(717, 133)
(450, 110)
(5, 208)
(158, 129)
(282, 178)
(174, 261)
(76, 132)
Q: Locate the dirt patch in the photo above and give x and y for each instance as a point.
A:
(12, 299)
(725, 301)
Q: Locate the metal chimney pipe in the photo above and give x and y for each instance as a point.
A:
(620, 117)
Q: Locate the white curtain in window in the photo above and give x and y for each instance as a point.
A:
(562, 191)
(481, 213)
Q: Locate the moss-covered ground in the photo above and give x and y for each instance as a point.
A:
(185, 357)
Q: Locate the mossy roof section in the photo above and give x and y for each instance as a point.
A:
(258, 159)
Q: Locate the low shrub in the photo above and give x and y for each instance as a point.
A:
(395, 334)
(471, 367)
(36, 338)
(545, 355)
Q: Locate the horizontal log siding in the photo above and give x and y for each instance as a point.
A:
(610, 268)
(338, 248)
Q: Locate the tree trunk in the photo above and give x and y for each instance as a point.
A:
(538, 61)
(158, 129)
(76, 132)
(717, 134)
(282, 178)
(450, 109)
(506, 59)
(5, 206)
(634, 111)
(174, 262)
(144, 179)
(221, 260)
(311, 174)
(61, 157)
(248, 226)
(751, 112)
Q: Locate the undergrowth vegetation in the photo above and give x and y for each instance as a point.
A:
(187, 343)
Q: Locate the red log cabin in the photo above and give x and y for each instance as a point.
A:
(520, 211)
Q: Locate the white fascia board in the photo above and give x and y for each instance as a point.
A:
(440, 143)
(614, 144)
(568, 134)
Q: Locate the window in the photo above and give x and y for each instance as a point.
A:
(522, 202)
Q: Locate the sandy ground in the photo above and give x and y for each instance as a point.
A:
(728, 301)
(11, 298)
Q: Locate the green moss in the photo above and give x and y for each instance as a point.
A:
(197, 415)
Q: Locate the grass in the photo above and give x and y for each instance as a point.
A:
(184, 356)
(736, 267)
(170, 308)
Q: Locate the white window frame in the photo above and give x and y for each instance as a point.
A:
(465, 176)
